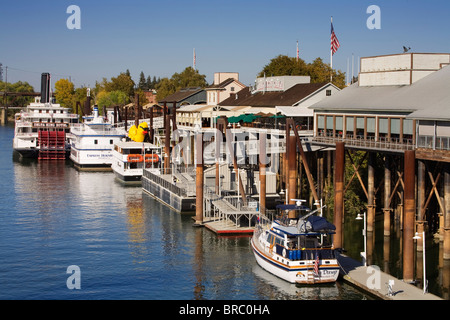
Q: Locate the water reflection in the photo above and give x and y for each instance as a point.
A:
(386, 252)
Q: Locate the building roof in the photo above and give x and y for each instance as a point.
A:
(428, 98)
(223, 84)
(272, 98)
(181, 95)
(300, 111)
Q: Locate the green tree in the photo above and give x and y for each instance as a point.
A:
(142, 83)
(18, 86)
(64, 91)
(284, 66)
(319, 71)
(122, 82)
(112, 98)
(149, 83)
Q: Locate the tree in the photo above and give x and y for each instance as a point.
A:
(18, 86)
(188, 78)
(64, 91)
(142, 83)
(317, 70)
(112, 98)
(122, 82)
(284, 66)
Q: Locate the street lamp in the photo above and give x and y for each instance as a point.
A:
(425, 281)
(364, 232)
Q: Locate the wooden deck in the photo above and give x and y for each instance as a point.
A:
(367, 279)
(228, 228)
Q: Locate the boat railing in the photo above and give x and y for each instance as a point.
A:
(178, 190)
(305, 253)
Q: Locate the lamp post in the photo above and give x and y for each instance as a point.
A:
(364, 232)
(425, 281)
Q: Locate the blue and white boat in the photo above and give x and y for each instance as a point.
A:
(297, 247)
(92, 142)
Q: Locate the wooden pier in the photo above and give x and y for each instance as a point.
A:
(379, 284)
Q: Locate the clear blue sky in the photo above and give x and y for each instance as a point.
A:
(158, 37)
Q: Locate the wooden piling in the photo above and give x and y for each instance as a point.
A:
(166, 139)
(292, 171)
(339, 194)
(387, 193)
(371, 193)
(199, 179)
(409, 215)
(262, 172)
(446, 244)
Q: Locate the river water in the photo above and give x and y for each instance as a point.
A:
(125, 244)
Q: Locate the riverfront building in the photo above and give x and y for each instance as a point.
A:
(398, 112)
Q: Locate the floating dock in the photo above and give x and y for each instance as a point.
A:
(376, 283)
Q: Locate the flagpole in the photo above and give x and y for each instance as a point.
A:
(331, 54)
(193, 60)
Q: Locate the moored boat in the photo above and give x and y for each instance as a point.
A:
(93, 142)
(297, 247)
(130, 158)
(42, 129)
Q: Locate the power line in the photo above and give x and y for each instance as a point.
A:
(36, 72)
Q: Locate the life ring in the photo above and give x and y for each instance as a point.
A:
(151, 158)
(135, 158)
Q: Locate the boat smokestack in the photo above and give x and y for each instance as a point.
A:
(45, 87)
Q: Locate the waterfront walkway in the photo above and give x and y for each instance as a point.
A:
(362, 277)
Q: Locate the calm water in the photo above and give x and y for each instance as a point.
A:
(126, 244)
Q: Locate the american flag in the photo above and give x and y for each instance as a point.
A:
(316, 265)
(334, 40)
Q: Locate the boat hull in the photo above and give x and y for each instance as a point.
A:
(295, 271)
(128, 179)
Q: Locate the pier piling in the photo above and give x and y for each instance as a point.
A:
(339, 194)
(408, 215)
(199, 179)
(446, 244)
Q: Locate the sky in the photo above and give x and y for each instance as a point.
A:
(159, 37)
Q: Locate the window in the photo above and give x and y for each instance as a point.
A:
(111, 141)
(96, 141)
(232, 89)
(328, 93)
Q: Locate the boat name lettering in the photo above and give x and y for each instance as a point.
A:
(99, 155)
(49, 125)
(328, 272)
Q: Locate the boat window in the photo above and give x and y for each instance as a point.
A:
(96, 141)
(111, 141)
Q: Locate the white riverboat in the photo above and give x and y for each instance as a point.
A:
(93, 142)
(298, 250)
(130, 158)
(43, 130)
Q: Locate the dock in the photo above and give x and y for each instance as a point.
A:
(377, 284)
(226, 215)
(228, 228)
